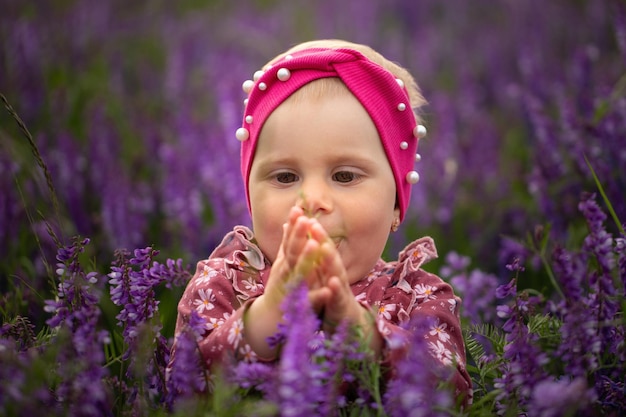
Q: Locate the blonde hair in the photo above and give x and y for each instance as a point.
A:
(329, 86)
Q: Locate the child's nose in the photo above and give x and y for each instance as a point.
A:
(315, 198)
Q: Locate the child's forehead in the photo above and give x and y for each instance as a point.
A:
(321, 111)
(334, 128)
(326, 92)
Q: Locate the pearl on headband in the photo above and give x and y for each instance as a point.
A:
(412, 177)
(283, 74)
(247, 86)
(242, 134)
(420, 131)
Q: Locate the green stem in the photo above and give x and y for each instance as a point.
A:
(546, 265)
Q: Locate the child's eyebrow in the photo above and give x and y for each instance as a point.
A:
(351, 159)
(275, 159)
(269, 163)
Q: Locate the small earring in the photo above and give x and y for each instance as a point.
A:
(395, 224)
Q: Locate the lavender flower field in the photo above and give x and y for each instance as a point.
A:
(119, 170)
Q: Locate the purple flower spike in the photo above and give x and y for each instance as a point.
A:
(554, 398)
(475, 287)
(299, 391)
(76, 313)
(132, 286)
(187, 374)
(510, 289)
(414, 391)
(599, 244)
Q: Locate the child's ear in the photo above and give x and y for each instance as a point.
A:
(395, 223)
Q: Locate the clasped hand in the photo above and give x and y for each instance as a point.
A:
(308, 254)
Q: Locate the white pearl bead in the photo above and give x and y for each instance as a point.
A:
(245, 102)
(247, 86)
(262, 86)
(258, 74)
(412, 177)
(419, 131)
(283, 74)
(242, 134)
(400, 82)
(404, 145)
(249, 119)
(402, 107)
(288, 57)
(418, 157)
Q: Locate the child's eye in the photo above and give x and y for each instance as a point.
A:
(344, 176)
(286, 177)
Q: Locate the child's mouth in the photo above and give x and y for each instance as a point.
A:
(337, 241)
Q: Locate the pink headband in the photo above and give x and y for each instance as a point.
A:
(381, 94)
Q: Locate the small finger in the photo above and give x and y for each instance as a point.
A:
(319, 298)
(330, 262)
(308, 261)
(318, 232)
(296, 239)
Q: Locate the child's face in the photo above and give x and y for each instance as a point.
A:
(328, 151)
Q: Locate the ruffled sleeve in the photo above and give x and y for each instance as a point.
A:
(402, 292)
(228, 280)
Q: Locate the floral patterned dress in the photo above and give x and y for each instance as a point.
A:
(237, 271)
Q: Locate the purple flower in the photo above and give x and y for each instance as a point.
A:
(512, 249)
(413, 391)
(455, 264)
(516, 265)
(279, 338)
(524, 361)
(76, 298)
(340, 359)
(599, 244)
(255, 375)
(580, 343)
(299, 392)
(571, 272)
(612, 394)
(593, 214)
(187, 374)
(555, 398)
(620, 249)
(506, 290)
(477, 289)
(133, 282)
(80, 353)
(132, 286)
